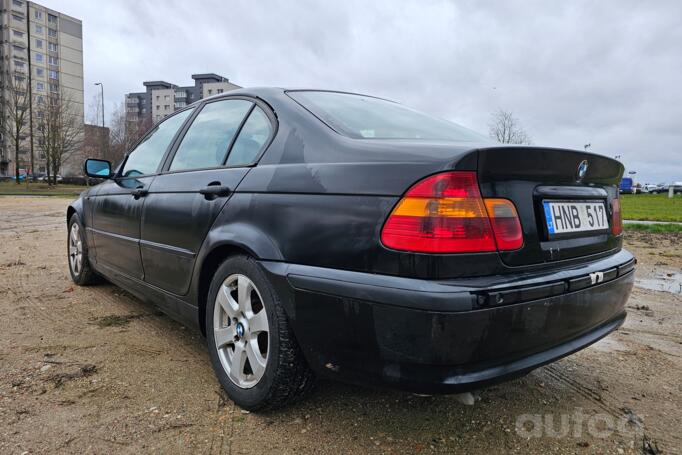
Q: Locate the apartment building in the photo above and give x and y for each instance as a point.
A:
(163, 98)
(41, 49)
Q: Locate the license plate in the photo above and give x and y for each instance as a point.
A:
(573, 216)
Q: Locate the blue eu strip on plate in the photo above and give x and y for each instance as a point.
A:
(548, 217)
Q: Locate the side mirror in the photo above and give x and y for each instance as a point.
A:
(99, 169)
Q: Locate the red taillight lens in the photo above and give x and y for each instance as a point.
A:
(617, 221)
(506, 224)
(445, 213)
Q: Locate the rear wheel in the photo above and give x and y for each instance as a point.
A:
(251, 345)
(77, 249)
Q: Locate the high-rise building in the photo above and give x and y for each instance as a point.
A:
(42, 50)
(163, 98)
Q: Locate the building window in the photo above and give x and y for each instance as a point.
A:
(52, 32)
(18, 34)
(210, 92)
(18, 64)
(53, 74)
(52, 60)
(39, 44)
(40, 86)
(54, 87)
(219, 90)
(166, 107)
(18, 3)
(158, 97)
(39, 57)
(38, 14)
(144, 110)
(40, 99)
(17, 18)
(158, 107)
(52, 47)
(39, 29)
(40, 72)
(166, 98)
(52, 19)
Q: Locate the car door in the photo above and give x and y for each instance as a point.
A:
(117, 205)
(216, 151)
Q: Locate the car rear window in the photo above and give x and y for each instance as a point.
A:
(366, 117)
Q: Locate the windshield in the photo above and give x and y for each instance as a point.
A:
(365, 117)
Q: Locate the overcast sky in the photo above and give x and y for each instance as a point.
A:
(605, 73)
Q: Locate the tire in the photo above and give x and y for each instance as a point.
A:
(253, 330)
(77, 254)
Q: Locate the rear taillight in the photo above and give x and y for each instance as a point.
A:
(617, 221)
(505, 222)
(445, 213)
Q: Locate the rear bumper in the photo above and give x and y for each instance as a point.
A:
(449, 336)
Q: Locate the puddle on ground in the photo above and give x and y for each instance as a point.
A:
(665, 281)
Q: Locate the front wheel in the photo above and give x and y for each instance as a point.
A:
(77, 250)
(252, 347)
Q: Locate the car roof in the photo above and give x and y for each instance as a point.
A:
(264, 92)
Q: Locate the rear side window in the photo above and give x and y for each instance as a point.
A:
(251, 139)
(206, 142)
(147, 155)
(365, 117)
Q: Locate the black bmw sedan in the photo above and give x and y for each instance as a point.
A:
(340, 235)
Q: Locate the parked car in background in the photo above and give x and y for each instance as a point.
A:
(345, 236)
(651, 187)
(44, 178)
(627, 186)
(665, 187)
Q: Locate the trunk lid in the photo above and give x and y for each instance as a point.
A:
(532, 176)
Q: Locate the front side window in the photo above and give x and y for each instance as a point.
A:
(365, 117)
(252, 137)
(146, 157)
(205, 143)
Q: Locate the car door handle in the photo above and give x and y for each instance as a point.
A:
(139, 192)
(215, 191)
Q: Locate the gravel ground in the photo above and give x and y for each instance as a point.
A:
(94, 370)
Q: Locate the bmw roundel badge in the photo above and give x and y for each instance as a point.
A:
(582, 169)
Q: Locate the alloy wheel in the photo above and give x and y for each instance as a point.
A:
(75, 250)
(241, 331)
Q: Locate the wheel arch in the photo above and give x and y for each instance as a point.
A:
(221, 243)
(69, 213)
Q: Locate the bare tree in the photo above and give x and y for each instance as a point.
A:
(507, 129)
(124, 133)
(17, 110)
(60, 130)
(95, 110)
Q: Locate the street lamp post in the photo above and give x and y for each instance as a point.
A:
(101, 86)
